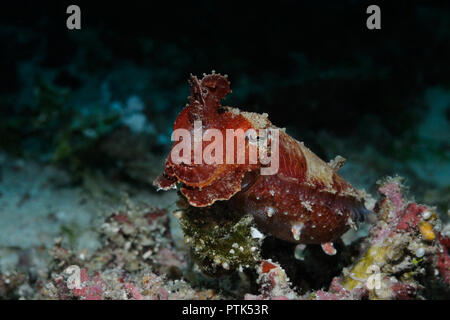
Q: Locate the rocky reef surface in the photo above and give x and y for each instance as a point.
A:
(157, 249)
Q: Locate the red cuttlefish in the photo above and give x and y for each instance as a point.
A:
(302, 199)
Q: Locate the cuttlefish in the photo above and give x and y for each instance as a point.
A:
(302, 199)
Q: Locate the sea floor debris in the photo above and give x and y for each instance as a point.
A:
(140, 256)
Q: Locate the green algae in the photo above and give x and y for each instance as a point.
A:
(220, 240)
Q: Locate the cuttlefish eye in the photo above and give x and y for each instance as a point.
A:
(257, 137)
(248, 180)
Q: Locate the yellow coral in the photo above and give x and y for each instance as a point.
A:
(426, 229)
(360, 272)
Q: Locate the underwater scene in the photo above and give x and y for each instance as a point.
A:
(202, 150)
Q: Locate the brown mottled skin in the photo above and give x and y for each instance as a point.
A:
(306, 201)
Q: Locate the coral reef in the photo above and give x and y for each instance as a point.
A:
(274, 283)
(404, 256)
(132, 240)
(404, 246)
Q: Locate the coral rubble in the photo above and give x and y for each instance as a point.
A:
(400, 259)
(404, 256)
